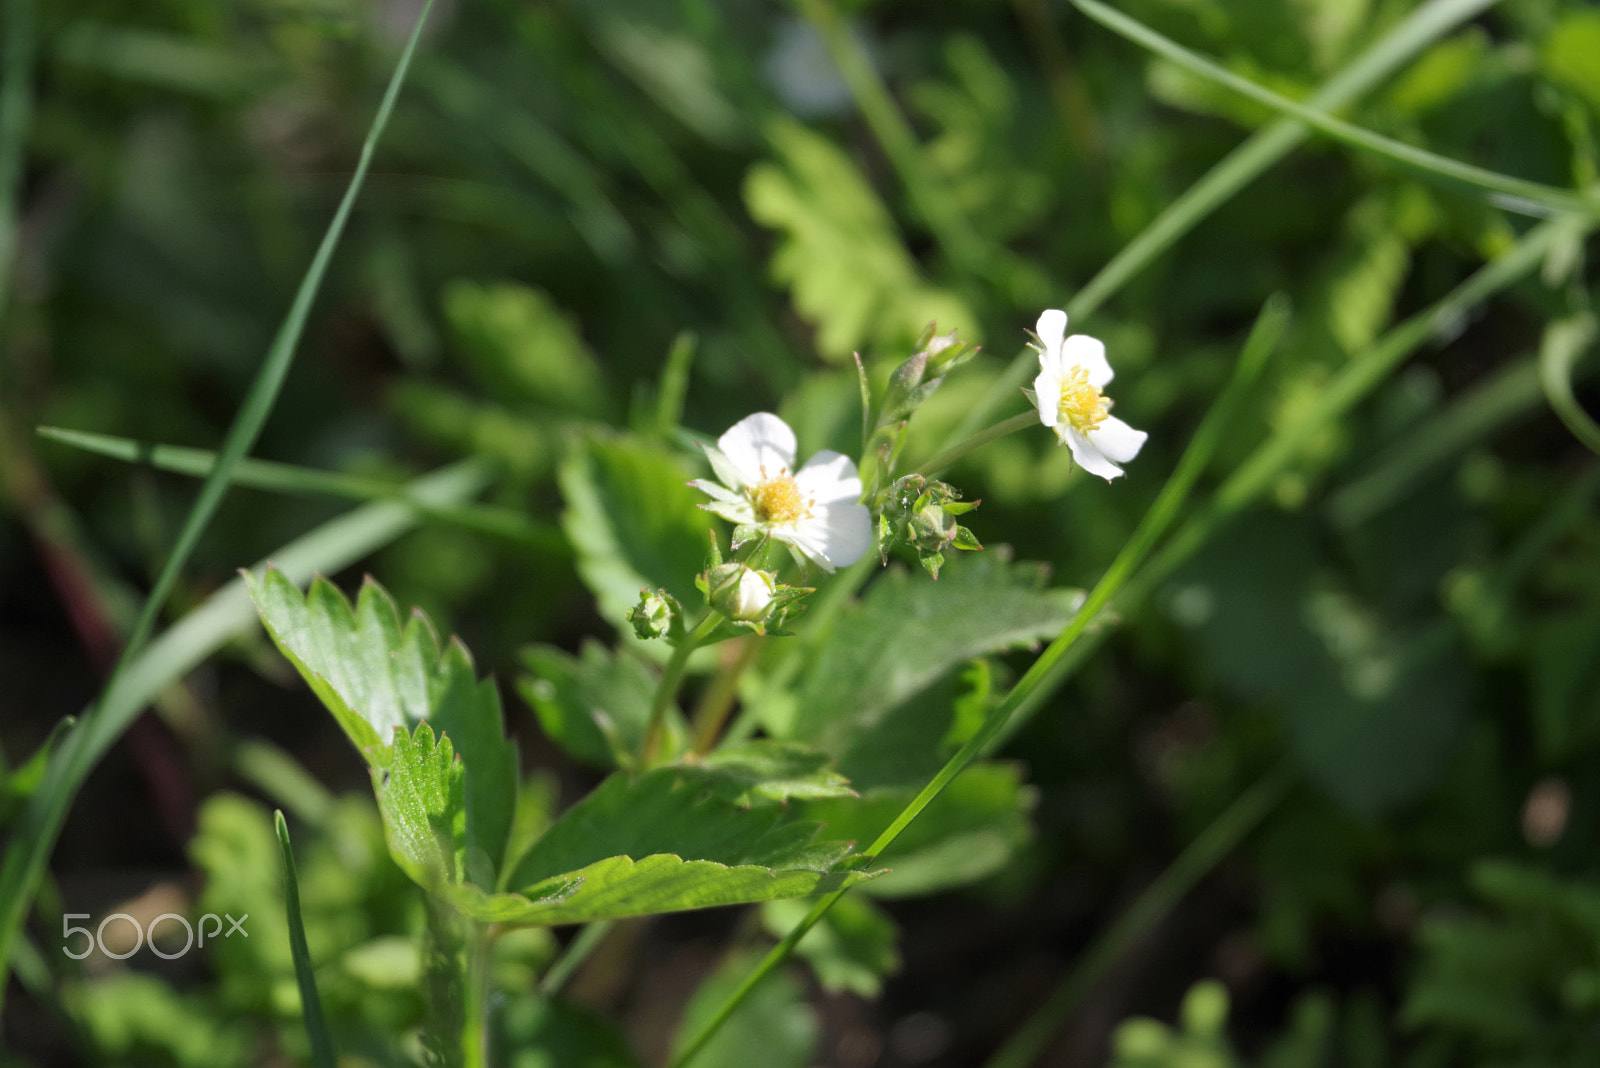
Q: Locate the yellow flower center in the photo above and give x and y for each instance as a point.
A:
(1082, 406)
(778, 500)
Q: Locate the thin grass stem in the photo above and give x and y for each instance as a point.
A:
(1213, 845)
(1514, 194)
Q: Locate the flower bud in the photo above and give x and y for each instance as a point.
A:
(741, 593)
(933, 528)
(652, 616)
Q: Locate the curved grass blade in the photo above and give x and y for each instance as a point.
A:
(16, 114)
(1263, 339)
(322, 1051)
(292, 479)
(934, 203)
(225, 615)
(1513, 194)
(1238, 169)
(1209, 848)
(1508, 394)
(1564, 342)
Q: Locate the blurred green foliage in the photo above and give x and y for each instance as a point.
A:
(1409, 618)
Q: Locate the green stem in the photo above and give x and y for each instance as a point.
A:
(1208, 850)
(667, 689)
(824, 609)
(714, 707)
(572, 958)
(1269, 327)
(291, 479)
(1564, 342)
(475, 1003)
(944, 459)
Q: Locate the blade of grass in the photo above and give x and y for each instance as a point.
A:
(16, 115)
(323, 1054)
(281, 777)
(1515, 194)
(224, 616)
(938, 210)
(300, 481)
(1235, 171)
(674, 385)
(1263, 339)
(573, 956)
(1220, 838)
(1511, 392)
(1564, 342)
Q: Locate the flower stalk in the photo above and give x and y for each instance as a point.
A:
(671, 679)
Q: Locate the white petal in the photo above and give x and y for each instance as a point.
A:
(829, 478)
(1047, 395)
(1088, 457)
(1117, 440)
(1051, 328)
(835, 535)
(757, 441)
(1081, 350)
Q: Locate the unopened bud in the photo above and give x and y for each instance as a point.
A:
(652, 616)
(740, 592)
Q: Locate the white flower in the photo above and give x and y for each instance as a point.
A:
(1072, 372)
(815, 509)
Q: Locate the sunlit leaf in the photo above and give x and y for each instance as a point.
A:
(379, 676)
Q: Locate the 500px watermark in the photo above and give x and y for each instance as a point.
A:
(96, 939)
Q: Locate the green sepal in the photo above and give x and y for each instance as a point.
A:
(965, 539)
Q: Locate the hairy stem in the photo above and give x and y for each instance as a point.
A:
(671, 679)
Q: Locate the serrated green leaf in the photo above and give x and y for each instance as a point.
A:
(969, 831)
(619, 887)
(421, 791)
(672, 810)
(663, 842)
(848, 271)
(904, 635)
(772, 770)
(596, 706)
(378, 677)
(632, 521)
(851, 949)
